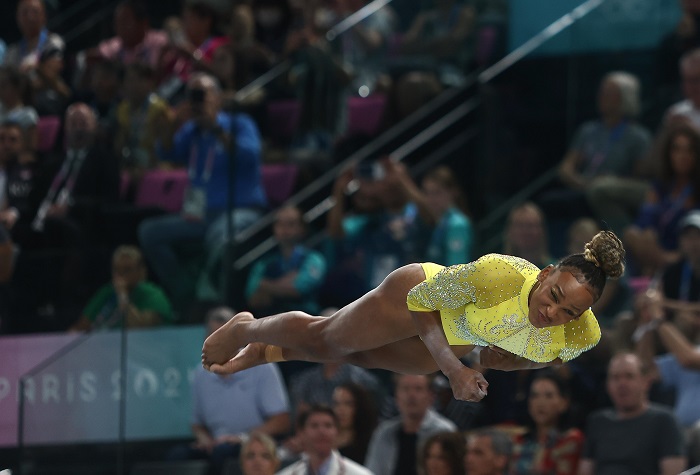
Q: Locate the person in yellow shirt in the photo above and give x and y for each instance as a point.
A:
(139, 117)
(424, 317)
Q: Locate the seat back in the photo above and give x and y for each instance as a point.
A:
(365, 114)
(278, 181)
(163, 189)
(283, 118)
(47, 131)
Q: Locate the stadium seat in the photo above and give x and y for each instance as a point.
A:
(278, 181)
(47, 131)
(283, 118)
(164, 189)
(365, 114)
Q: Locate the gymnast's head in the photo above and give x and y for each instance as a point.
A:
(565, 290)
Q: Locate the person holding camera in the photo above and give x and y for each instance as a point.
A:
(221, 153)
(373, 229)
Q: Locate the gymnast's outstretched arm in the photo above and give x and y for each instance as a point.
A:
(467, 384)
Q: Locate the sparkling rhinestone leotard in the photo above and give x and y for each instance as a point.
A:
(485, 303)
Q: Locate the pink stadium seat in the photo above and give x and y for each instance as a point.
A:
(163, 188)
(278, 181)
(283, 118)
(47, 131)
(365, 114)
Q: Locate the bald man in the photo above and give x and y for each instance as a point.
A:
(84, 182)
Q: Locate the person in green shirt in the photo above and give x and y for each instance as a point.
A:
(129, 296)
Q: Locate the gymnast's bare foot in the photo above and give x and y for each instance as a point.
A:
(252, 355)
(225, 343)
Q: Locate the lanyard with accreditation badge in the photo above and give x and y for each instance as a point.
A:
(195, 202)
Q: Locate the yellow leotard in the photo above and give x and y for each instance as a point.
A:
(485, 303)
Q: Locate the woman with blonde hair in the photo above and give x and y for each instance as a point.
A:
(259, 455)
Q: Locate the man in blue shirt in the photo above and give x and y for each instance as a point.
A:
(227, 408)
(207, 144)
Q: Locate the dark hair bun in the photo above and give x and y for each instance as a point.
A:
(605, 250)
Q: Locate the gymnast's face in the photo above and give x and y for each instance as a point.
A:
(557, 298)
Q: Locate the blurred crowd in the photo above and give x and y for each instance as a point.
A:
(126, 167)
(166, 140)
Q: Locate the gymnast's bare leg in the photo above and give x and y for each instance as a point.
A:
(376, 330)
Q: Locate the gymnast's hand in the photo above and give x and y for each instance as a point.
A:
(498, 358)
(468, 385)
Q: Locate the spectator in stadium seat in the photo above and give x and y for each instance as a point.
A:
(526, 235)
(443, 454)
(488, 452)
(688, 108)
(24, 185)
(382, 233)
(291, 276)
(51, 93)
(273, 21)
(318, 429)
(31, 20)
(604, 169)
(395, 444)
(441, 207)
(634, 436)
(15, 103)
(684, 38)
(674, 317)
(316, 385)
(259, 455)
(102, 94)
(548, 445)
(227, 408)
(135, 40)
(357, 418)
(320, 77)
(441, 32)
(82, 184)
(192, 41)
(203, 144)
(652, 242)
(128, 299)
(11, 147)
(139, 115)
(242, 59)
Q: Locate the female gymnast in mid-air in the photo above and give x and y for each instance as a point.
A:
(424, 317)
